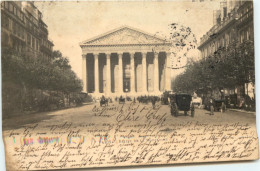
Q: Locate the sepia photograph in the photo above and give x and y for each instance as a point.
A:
(117, 84)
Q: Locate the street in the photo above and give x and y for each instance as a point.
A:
(130, 133)
(84, 113)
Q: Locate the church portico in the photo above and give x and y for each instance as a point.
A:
(129, 64)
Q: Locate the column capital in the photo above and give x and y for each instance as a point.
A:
(108, 55)
(131, 53)
(120, 56)
(144, 53)
(84, 55)
(95, 53)
(168, 53)
(120, 53)
(156, 53)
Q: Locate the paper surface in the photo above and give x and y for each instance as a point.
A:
(131, 132)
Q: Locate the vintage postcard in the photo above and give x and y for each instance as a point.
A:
(94, 84)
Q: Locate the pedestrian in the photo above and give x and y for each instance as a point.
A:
(223, 107)
(211, 104)
(153, 102)
(174, 107)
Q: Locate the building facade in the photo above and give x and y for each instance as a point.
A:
(24, 30)
(126, 61)
(233, 25)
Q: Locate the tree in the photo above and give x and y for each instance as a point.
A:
(226, 68)
(21, 75)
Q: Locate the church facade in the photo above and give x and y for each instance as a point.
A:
(126, 61)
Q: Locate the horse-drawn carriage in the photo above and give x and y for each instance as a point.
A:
(103, 101)
(181, 102)
(121, 99)
(218, 104)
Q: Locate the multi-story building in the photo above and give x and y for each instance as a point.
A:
(24, 30)
(232, 25)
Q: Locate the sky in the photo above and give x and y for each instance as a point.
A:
(70, 23)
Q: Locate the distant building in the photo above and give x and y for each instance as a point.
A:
(233, 24)
(126, 61)
(24, 30)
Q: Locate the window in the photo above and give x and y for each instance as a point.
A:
(11, 7)
(6, 5)
(241, 37)
(15, 11)
(227, 39)
(18, 30)
(33, 43)
(251, 34)
(19, 14)
(14, 27)
(5, 21)
(37, 44)
(28, 39)
(245, 35)
(22, 33)
(10, 25)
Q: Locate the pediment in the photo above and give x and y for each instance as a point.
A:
(124, 36)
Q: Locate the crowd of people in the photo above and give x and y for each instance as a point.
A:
(145, 99)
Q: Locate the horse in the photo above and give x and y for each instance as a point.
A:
(104, 101)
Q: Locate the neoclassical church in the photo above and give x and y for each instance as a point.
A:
(126, 61)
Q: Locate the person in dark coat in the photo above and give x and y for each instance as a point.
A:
(211, 107)
(153, 100)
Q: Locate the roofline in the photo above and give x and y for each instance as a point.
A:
(114, 30)
(109, 45)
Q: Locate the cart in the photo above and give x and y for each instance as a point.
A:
(181, 102)
(121, 100)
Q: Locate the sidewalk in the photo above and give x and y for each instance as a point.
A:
(241, 110)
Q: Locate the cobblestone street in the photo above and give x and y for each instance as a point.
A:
(85, 113)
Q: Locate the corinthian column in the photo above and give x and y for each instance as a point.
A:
(96, 73)
(84, 72)
(168, 72)
(144, 75)
(132, 61)
(108, 91)
(120, 73)
(156, 73)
